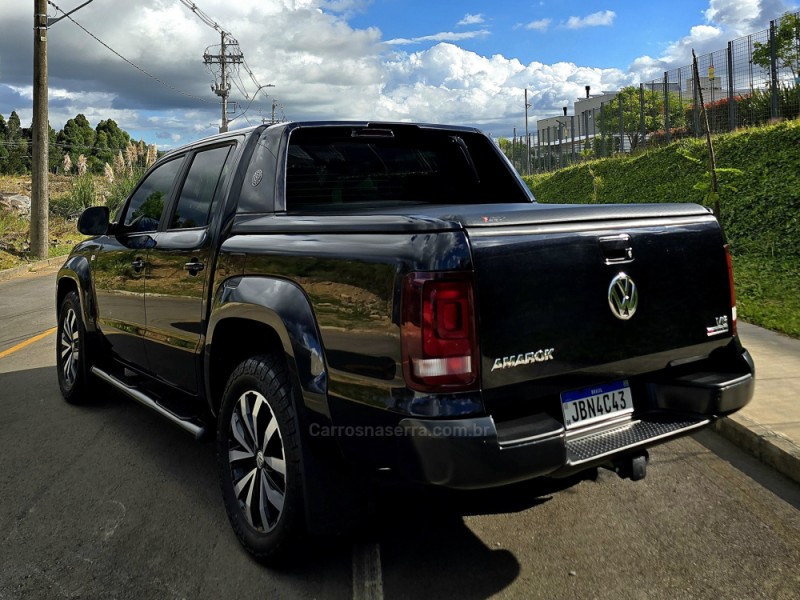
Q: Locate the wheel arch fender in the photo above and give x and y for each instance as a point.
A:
(252, 305)
(76, 274)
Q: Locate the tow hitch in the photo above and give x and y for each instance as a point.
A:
(633, 467)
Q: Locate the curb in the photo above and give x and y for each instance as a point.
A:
(7, 274)
(769, 447)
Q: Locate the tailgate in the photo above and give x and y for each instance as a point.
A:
(550, 295)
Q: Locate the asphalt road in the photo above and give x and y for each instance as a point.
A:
(111, 501)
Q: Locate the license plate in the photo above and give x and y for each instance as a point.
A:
(597, 403)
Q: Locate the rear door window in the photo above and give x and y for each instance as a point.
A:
(205, 177)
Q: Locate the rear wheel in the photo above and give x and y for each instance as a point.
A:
(258, 453)
(72, 357)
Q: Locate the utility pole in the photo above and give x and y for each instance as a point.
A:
(223, 59)
(40, 150)
(41, 139)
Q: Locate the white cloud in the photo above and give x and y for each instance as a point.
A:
(470, 19)
(701, 38)
(742, 17)
(599, 19)
(449, 84)
(323, 66)
(445, 36)
(539, 25)
(726, 19)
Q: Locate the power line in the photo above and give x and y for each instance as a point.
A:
(206, 19)
(75, 147)
(135, 66)
(224, 58)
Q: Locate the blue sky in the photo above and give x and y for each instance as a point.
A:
(636, 28)
(465, 63)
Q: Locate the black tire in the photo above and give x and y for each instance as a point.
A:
(257, 438)
(72, 352)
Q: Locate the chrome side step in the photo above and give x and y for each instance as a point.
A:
(197, 429)
(629, 436)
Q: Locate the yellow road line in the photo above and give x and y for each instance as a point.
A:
(27, 342)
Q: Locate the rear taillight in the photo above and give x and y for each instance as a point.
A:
(733, 289)
(437, 330)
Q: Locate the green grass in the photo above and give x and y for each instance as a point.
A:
(768, 293)
(15, 239)
(69, 195)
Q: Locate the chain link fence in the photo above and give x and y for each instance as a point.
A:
(755, 80)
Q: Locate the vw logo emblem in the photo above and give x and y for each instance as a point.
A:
(623, 297)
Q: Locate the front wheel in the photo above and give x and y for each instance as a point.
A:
(258, 453)
(72, 360)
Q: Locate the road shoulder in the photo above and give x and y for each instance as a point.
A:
(34, 267)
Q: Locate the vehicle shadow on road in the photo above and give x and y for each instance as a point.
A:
(426, 543)
(113, 452)
(133, 499)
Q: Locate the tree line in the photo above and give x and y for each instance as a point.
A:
(78, 143)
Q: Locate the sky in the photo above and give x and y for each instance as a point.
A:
(460, 63)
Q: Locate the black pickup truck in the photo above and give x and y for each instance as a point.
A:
(331, 299)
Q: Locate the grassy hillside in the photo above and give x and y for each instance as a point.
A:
(760, 206)
(14, 230)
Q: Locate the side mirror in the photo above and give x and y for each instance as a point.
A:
(94, 221)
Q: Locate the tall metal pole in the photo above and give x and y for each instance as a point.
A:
(41, 140)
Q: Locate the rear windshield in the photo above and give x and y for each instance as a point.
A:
(349, 168)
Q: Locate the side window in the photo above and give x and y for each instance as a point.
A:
(205, 175)
(147, 203)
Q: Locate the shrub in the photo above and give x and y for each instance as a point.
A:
(82, 195)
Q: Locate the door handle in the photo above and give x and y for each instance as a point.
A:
(194, 267)
(616, 249)
(138, 265)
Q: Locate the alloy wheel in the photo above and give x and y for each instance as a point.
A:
(70, 347)
(257, 461)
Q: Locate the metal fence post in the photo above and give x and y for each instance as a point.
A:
(560, 146)
(621, 124)
(667, 136)
(731, 90)
(586, 127)
(642, 131)
(572, 136)
(695, 108)
(773, 67)
(603, 127)
(549, 152)
(542, 150)
(514, 147)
